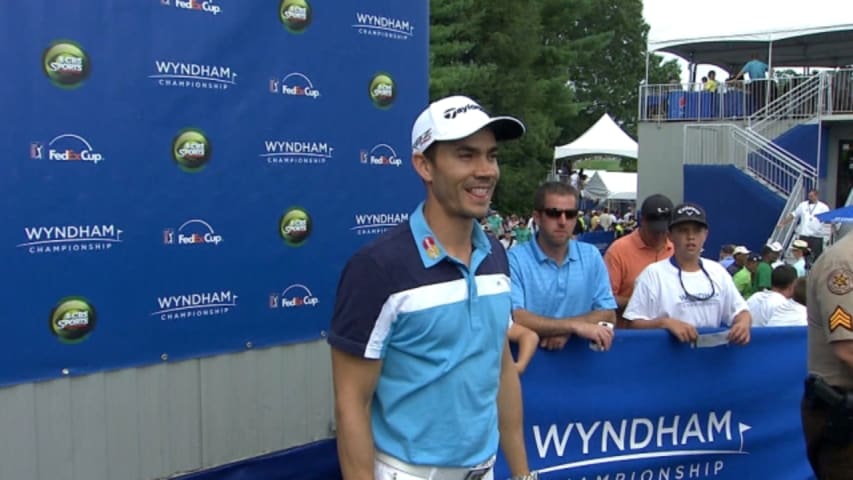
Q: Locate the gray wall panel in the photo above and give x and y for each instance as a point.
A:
(87, 411)
(54, 452)
(121, 415)
(154, 422)
(18, 428)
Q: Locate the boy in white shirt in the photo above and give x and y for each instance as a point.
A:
(686, 291)
(763, 304)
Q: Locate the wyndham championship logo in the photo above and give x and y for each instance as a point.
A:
(191, 150)
(382, 90)
(70, 238)
(295, 15)
(300, 152)
(377, 223)
(67, 147)
(72, 319)
(193, 75)
(383, 27)
(204, 304)
(687, 446)
(66, 64)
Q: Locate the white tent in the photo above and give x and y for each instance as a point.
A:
(603, 138)
(612, 186)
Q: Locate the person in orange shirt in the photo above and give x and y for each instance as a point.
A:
(629, 255)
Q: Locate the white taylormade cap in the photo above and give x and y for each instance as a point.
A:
(457, 117)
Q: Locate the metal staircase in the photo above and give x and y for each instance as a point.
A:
(753, 151)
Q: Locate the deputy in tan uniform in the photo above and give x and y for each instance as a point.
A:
(827, 408)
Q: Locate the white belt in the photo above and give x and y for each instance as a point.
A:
(436, 473)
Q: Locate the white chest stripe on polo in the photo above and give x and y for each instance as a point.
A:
(426, 297)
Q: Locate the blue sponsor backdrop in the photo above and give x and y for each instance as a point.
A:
(173, 261)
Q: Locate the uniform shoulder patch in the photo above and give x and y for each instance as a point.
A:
(840, 281)
(840, 319)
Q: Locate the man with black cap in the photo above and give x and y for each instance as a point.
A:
(629, 255)
(687, 291)
(425, 384)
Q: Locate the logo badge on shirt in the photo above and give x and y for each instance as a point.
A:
(840, 319)
(431, 248)
(840, 281)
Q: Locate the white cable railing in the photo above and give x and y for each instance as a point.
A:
(800, 101)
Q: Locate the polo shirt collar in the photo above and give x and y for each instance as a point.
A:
(639, 243)
(430, 248)
(573, 255)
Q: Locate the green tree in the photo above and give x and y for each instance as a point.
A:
(556, 64)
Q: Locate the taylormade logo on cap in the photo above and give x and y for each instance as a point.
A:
(457, 117)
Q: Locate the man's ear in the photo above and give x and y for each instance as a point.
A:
(423, 166)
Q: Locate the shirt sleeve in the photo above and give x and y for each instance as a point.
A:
(644, 301)
(613, 262)
(360, 324)
(834, 296)
(734, 302)
(603, 294)
(516, 281)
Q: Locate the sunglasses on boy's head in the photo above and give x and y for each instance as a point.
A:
(570, 213)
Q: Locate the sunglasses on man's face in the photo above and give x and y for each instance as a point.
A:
(570, 213)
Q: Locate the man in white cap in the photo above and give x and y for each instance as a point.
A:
(800, 250)
(739, 255)
(423, 376)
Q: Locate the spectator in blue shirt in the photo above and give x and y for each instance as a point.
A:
(757, 88)
(560, 287)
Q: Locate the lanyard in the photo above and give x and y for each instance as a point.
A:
(690, 296)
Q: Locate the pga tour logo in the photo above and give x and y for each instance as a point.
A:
(381, 154)
(296, 295)
(67, 147)
(192, 232)
(294, 84)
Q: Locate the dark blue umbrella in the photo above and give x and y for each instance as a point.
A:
(839, 215)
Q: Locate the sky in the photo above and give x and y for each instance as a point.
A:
(676, 19)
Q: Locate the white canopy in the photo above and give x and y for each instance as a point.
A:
(603, 138)
(612, 186)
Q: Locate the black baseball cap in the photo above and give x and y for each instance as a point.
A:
(688, 213)
(656, 212)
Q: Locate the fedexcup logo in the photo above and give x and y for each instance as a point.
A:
(191, 150)
(67, 147)
(295, 84)
(66, 64)
(295, 226)
(296, 295)
(295, 15)
(382, 90)
(72, 319)
(192, 232)
(382, 155)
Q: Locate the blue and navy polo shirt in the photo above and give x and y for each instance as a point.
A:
(439, 328)
(578, 286)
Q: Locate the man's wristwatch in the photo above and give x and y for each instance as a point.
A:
(528, 476)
